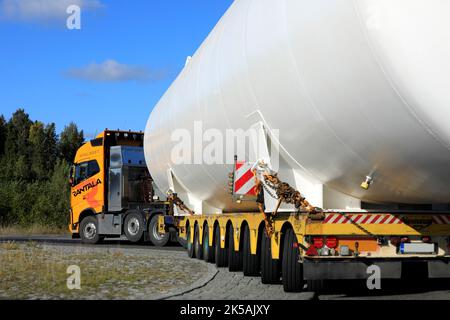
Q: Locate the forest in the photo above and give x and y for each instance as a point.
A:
(34, 169)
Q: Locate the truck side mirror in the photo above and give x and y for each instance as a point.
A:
(71, 176)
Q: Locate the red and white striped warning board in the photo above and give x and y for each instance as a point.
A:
(244, 179)
(441, 219)
(336, 218)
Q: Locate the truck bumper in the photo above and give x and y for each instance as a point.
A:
(392, 269)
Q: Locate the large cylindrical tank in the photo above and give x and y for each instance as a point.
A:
(356, 88)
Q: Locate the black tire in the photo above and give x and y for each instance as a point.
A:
(198, 249)
(270, 268)
(208, 250)
(251, 263)
(189, 244)
(158, 239)
(134, 226)
(221, 255)
(89, 231)
(292, 269)
(234, 257)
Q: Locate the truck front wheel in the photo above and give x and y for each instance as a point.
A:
(89, 231)
(158, 239)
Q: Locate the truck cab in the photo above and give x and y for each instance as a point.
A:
(112, 192)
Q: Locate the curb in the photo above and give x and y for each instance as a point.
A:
(212, 273)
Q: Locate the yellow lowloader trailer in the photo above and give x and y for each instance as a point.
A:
(310, 245)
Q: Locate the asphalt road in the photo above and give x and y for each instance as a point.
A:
(234, 286)
(107, 243)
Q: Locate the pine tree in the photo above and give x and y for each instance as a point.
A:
(36, 139)
(34, 166)
(2, 135)
(69, 141)
(17, 147)
(43, 143)
(50, 147)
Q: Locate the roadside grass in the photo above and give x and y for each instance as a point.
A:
(32, 271)
(10, 245)
(32, 230)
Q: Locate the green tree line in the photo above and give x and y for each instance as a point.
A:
(34, 169)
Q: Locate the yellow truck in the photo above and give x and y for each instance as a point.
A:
(112, 192)
(313, 246)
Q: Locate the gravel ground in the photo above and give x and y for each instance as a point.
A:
(35, 271)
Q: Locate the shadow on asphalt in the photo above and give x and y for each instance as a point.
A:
(358, 288)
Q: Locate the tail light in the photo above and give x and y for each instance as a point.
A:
(312, 251)
(318, 242)
(426, 239)
(332, 242)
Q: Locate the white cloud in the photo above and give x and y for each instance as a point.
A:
(113, 71)
(42, 10)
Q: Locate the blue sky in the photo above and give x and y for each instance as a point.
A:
(110, 73)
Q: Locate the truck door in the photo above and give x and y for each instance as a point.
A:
(87, 188)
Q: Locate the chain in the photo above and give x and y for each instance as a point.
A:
(282, 192)
(287, 194)
(269, 191)
(173, 198)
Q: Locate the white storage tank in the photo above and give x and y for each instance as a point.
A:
(356, 88)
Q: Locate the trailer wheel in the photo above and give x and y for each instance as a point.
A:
(89, 230)
(251, 263)
(182, 241)
(198, 250)
(292, 269)
(221, 254)
(208, 250)
(189, 245)
(158, 239)
(134, 226)
(234, 257)
(270, 268)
